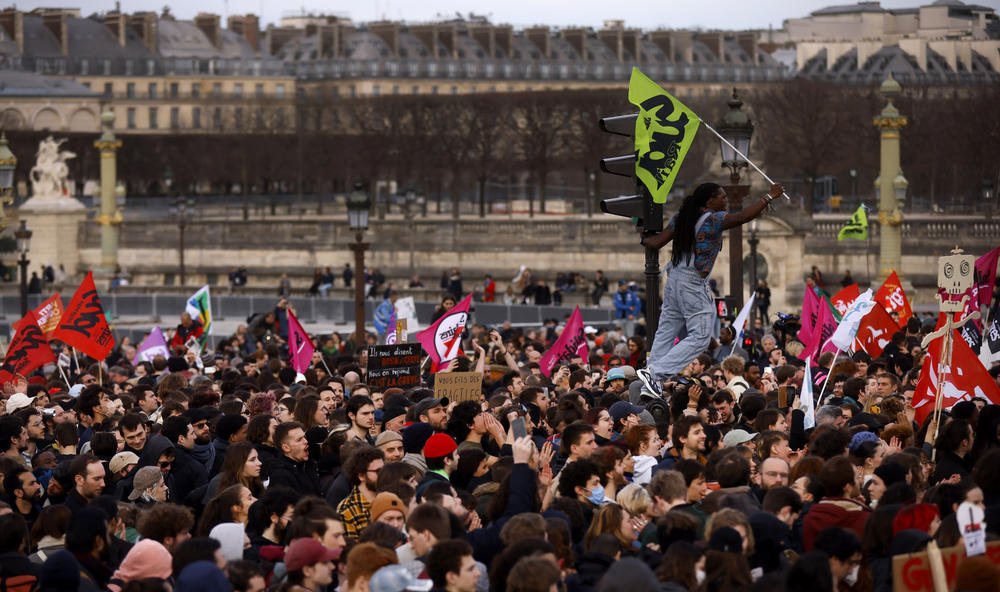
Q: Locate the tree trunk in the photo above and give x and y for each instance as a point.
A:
(482, 197)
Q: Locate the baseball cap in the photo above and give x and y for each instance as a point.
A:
(429, 403)
(623, 409)
(396, 578)
(616, 373)
(18, 401)
(737, 437)
(439, 445)
(308, 551)
(122, 460)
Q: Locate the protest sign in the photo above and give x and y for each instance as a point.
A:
(458, 386)
(912, 572)
(396, 365)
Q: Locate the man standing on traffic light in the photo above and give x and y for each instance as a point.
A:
(696, 231)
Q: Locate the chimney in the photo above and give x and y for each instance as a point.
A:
(209, 25)
(247, 27)
(116, 22)
(146, 26)
(55, 22)
(12, 21)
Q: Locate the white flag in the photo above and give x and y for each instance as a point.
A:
(843, 336)
(741, 319)
(806, 398)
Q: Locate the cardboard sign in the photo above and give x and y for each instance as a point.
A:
(912, 572)
(395, 365)
(458, 386)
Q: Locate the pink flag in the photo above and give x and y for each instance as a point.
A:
(819, 338)
(443, 340)
(571, 343)
(300, 347)
(810, 315)
(986, 272)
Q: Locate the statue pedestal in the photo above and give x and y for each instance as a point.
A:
(55, 232)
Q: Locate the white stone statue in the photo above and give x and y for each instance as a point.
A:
(49, 185)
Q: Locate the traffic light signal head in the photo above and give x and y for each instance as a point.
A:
(639, 207)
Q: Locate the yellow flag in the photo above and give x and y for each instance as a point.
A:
(857, 227)
(664, 131)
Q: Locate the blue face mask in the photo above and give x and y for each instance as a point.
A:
(596, 495)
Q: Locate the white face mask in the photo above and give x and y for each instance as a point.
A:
(852, 578)
(699, 575)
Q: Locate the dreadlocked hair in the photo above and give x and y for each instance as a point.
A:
(687, 217)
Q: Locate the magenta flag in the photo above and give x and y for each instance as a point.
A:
(819, 338)
(986, 272)
(571, 343)
(443, 340)
(810, 316)
(300, 347)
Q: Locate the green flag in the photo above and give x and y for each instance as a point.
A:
(857, 227)
(664, 131)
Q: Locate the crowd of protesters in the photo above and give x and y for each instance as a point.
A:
(235, 472)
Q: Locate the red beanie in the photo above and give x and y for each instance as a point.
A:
(439, 445)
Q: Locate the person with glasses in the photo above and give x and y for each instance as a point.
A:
(844, 551)
(362, 467)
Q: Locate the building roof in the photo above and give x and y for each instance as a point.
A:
(29, 84)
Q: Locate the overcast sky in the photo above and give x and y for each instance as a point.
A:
(643, 14)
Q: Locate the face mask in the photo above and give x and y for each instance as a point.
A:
(699, 575)
(596, 495)
(852, 578)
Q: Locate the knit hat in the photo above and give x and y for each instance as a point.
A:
(122, 460)
(384, 502)
(230, 536)
(229, 425)
(61, 571)
(145, 478)
(439, 445)
(308, 551)
(388, 436)
(977, 573)
(177, 364)
(726, 539)
(860, 438)
(891, 473)
(392, 411)
(147, 559)
(415, 436)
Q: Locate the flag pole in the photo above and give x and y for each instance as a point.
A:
(743, 156)
(75, 360)
(63, 372)
(829, 372)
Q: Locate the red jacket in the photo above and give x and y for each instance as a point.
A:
(834, 511)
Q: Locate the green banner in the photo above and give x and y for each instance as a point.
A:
(857, 227)
(664, 131)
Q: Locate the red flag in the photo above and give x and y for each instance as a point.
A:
(300, 347)
(28, 350)
(966, 378)
(875, 331)
(443, 340)
(892, 297)
(84, 325)
(571, 343)
(842, 300)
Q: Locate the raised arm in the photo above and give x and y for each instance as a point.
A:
(734, 219)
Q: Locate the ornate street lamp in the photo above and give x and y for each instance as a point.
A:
(23, 237)
(736, 127)
(359, 205)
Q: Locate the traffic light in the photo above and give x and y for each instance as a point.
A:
(639, 207)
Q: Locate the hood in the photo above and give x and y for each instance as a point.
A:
(835, 511)
(147, 559)
(154, 448)
(230, 536)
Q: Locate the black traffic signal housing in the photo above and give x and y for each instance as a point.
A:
(645, 214)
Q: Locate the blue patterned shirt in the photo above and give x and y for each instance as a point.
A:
(707, 241)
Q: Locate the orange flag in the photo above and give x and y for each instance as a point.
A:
(84, 325)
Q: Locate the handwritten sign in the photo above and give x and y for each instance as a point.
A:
(396, 365)
(912, 572)
(458, 386)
